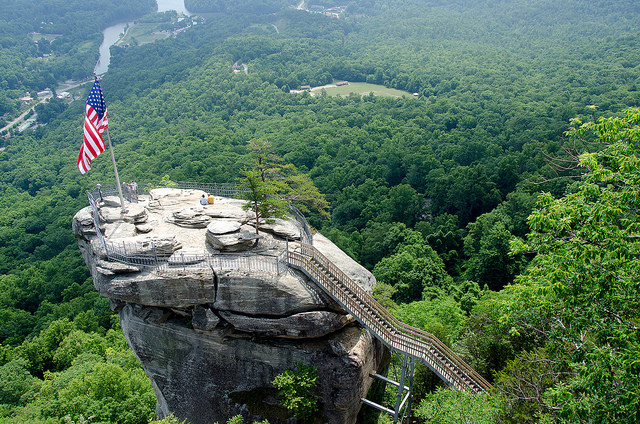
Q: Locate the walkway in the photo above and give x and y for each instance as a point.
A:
(398, 336)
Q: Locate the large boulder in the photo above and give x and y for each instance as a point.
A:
(209, 376)
(233, 242)
(192, 217)
(82, 223)
(204, 319)
(177, 288)
(272, 296)
(134, 213)
(221, 226)
(344, 262)
(212, 330)
(304, 325)
(285, 229)
(147, 246)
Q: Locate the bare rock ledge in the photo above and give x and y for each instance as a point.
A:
(211, 328)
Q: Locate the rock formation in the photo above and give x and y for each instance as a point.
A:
(211, 328)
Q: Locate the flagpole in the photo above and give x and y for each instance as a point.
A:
(113, 160)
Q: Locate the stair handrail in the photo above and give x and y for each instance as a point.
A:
(400, 329)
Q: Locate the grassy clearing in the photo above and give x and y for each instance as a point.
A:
(143, 33)
(87, 46)
(260, 29)
(36, 36)
(361, 88)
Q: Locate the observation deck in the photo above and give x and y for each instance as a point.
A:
(119, 235)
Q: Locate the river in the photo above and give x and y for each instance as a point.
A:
(112, 34)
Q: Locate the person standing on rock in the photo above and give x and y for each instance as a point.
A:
(134, 189)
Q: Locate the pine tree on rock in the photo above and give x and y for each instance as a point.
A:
(273, 186)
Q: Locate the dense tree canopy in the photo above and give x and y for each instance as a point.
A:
(583, 283)
(427, 190)
(46, 41)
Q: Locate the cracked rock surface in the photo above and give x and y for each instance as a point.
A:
(215, 323)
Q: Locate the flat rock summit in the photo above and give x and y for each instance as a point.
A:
(213, 312)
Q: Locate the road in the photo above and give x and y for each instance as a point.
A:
(63, 86)
(21, 117)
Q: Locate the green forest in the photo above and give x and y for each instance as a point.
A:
(497, 208)
(45, 42)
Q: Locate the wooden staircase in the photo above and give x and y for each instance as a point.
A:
(399, 337)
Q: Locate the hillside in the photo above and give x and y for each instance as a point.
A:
(427, 192)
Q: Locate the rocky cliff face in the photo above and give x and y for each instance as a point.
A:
(212, 330)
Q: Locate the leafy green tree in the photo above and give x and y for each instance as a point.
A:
(40, 351)
(262, 197)
(585, 279)
(404, 204)
(383, 293)
(488, 342)
(440, 316)
(108, 392)
(414, 270)
(76, 343)
(450, 406)
(16, 381)
(524, 380)
(444, 235)
(272, 186)
(296, 390)
(487, 245)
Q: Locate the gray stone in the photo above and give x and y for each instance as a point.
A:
(223, 226)
(82, 223)
(110, 201)
(209, 376)
(119, 229)
(116, 305)
(146, 245)
(228, 208)
(204, 368)
(167, 288)
(204, 319)
(134, 212)
(192, 217)
(112, 268)
(269, 295)
(95, 250)
(241, 240)
(305, 325)
(153, 315)
(344, 262)
(167, 196)
(144, 228)
(281, 228)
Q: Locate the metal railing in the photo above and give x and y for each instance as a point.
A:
(180, 260)
(395, 334)
(146, 254)
(230, 190)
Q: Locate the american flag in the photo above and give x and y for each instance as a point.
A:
(95, 122)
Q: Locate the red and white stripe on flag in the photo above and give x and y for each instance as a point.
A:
(93, 143)
(95, 122)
